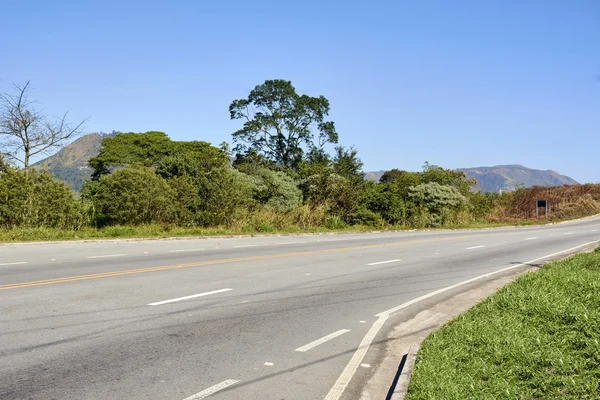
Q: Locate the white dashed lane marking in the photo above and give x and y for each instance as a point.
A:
(475, 247)
(324, 339)
(108, 255)
(385, 262)
(212, 390)
(193, 296)
(13, 263)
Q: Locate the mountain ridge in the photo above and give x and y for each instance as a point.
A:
(69, 164)
(505, 177)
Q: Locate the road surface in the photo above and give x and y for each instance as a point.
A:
(278, 317)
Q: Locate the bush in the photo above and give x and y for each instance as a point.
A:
(132, 196)
(334, 222)
(366, 217)
(224, 197)
(35, 199)
(274, 189)
(437, 202)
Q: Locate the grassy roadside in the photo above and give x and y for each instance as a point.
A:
(537, 338)
(147, 231)
(160, 231)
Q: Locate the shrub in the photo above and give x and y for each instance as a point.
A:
(132, 195)
(274, 189)
(437, 202)
(35, 199)
(334, 222)
(365, 217)
(224, 195)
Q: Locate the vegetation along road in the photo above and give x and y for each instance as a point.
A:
(276, 317)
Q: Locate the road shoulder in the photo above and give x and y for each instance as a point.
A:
(405, 338)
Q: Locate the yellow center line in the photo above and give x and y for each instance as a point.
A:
(222, 261)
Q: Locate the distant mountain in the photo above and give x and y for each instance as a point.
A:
(510, 177)
(504, 177)
(374, 175)
(70, 163)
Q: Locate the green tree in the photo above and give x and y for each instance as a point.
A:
(275, 189)
(403, 178)
(281, 124)
(457, 179)
(209, 191)
(190, 158)
(389, 200)
(129, 148)
(346, 163)
(224, 196)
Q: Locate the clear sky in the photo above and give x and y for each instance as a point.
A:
(456, 83)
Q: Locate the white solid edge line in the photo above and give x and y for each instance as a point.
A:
(436, 292)
(108, 255)
(531, 238)
(324, 339)
(14, 263)
(475, 247)
(342, 382)
(212, 390)
(384, 262)
(193, 296)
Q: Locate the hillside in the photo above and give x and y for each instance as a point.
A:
(504, 177)
(70, 163)
(510, 177)
(374, 175)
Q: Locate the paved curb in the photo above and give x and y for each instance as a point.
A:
(402, 385)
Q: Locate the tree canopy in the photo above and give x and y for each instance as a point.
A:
(156, 149)
(280, 124)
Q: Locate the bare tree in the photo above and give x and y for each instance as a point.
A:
(26, 132)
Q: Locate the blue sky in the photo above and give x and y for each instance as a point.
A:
(456, 83)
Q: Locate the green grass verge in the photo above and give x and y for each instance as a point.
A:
(148, 231)
(537, 338)
(161, 231)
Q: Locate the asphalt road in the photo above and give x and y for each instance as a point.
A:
(287, 317)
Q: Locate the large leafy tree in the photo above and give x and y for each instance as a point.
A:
(130, 148)
(155, 149)
(280, 124)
